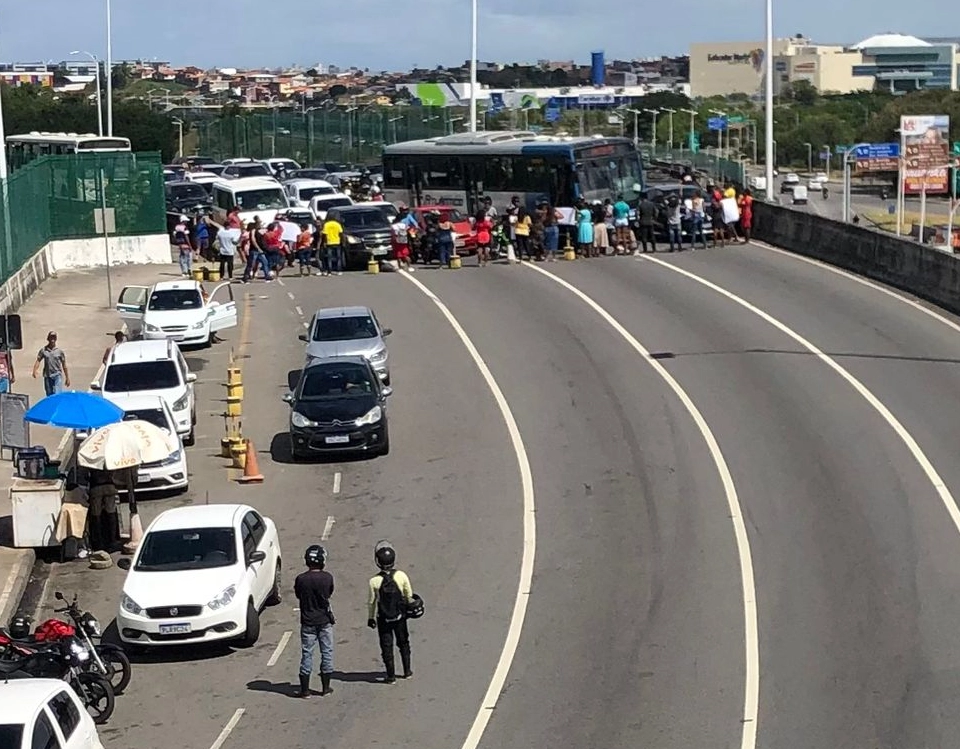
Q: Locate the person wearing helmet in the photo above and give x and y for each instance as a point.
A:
(313, 589)
(390, 594)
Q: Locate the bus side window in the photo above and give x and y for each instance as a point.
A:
(498, 175)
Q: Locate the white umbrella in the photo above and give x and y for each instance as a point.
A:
(125, 444)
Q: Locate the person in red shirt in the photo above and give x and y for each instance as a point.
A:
(746, 214)
(484, 227)
(400, 240)
(233, 219)
(273, 238)
(304, 244)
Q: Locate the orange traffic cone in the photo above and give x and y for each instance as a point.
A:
(251, 471)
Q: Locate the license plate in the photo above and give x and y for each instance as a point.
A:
(381, 250)
(143, 478)
(175, 629)
(338, 439)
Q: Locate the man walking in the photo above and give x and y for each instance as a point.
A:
(55, 372)
(390, 594)
(313, 589)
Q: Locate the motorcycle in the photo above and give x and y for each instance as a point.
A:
(825, 193)
(61, 659)
(106, 659)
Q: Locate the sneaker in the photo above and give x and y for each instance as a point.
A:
(390, 680)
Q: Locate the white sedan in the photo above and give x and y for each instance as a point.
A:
(178, 311)
(202, 573)
(44, 713)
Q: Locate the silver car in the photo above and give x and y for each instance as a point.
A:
(348, 331)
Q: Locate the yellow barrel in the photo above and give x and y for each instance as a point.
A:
(234, 376)
(197, 274)
(569, 254)
(239, 454)
(234, 406)
(455, 262)
(213, 274)
(234, 390)
(373, 266)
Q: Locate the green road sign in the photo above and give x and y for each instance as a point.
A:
(736, 119)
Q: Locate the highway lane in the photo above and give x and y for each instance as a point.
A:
(854, 550)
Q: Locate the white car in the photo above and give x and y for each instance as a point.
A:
(151, 368)
(301, 191)
(320, 204)
(44, 714)
(177, 310)
(276, 163)
(202, 573)
(821, 177)
(171, 472)
(204, 179)
(792, 178)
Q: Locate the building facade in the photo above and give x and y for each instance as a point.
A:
(724, 68)
(901, 64)
(26, 74)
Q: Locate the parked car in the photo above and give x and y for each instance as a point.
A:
(44, 714)
(348, 331)
(339, 405)
(466, 239)
(202, 573)
(320, 204)
(366, 233)
(170, 473)
(661, 193)
(308, 173)
(247, 169)
(301, 191)
(254, 196)
(177, 310)
(185, 198)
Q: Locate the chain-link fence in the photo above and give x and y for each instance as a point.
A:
(725, 170)
(55, 197)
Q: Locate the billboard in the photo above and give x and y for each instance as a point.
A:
(925, 145)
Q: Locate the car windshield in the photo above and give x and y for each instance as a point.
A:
(309, 173)
(372, 218)
(327, 204)
(448, 214)
(308, 192)
(187, 549)
(251, 170)
(171, 300)
(261, 200)
(344, 328)
(335, 381)
(186, 192)
(141, 375)
(11, 735)
(155, 416)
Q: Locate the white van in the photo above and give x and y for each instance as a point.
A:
(320, 204)
(255, 196)
(800, 195)
(301, 191)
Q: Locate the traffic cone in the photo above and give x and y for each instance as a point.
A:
(136, 533)
(251, 470)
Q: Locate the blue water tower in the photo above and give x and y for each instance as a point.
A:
(598, 68)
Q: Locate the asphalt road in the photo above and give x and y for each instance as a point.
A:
(831, 403)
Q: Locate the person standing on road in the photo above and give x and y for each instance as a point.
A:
(621, 222)
(332, 232)
(181, 238)
(674, 224)
(647, 218)
(390, 594)
(313, 589)
(55, 372)
(7, 377)
(746, 214)
(227, 241)
(201, 235)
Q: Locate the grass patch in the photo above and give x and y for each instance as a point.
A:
(139, 89)
(888, 221)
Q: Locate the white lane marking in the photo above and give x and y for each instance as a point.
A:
(337, 479)
(42, 600)
(280, 281)
(228, 729)
(919, 306)
(751, 697)
(901, 431)
(522, 599)
(290, 294)
(299, 310)
(328, 528)
(306, 325)
(278, 651)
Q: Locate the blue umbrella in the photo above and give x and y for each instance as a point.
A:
(74, 410)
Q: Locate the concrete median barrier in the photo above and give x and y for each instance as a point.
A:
(924, 271)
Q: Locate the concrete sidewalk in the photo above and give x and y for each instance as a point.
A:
(75, 305)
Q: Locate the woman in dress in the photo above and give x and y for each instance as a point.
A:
(746, 214)
(584, 229)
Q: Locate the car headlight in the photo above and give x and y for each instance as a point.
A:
(129, 605)
(370, 417)
(378, 356)
(151, 328)
(200, 325)
(223, 598)
(354, 240)
(299, 420)
(172, 458)
(182, 402)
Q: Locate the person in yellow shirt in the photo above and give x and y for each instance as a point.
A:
(332, 251)
(390, 595)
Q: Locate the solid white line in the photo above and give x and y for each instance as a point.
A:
(901, 431)
(284, 639)
(522, 598)
(299, 310)
(337, 478)
(900, 297)
(328, 528)
(228, 729)
(751, 697)
(42, 600)
(290, 294)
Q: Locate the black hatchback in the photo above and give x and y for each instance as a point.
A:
(339, 405)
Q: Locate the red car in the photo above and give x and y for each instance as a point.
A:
(466, 242)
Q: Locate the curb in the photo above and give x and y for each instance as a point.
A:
(16, 582)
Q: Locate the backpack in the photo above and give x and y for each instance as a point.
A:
(390, 602)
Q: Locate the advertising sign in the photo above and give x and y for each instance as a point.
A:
(595, 99)
(926, 153)
(878, 157)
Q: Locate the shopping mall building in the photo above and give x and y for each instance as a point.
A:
(890, 61)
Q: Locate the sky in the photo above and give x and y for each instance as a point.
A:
(383, 35)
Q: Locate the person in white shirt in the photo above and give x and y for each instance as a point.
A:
(227, 241)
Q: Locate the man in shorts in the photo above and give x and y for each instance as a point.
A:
(400, 239)
(621, 223)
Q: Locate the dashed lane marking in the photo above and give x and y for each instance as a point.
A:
(278, 651)
(337, 478)
(228, 729)
(328, 528)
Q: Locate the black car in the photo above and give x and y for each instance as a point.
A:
(339, 405)
(366, 233)
(661, 193)
(185, 199)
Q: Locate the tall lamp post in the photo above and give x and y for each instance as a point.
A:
(654, 112)
(636, 132)
(108, 71)
(179, 123)
(473, 67)
(693, 125)
(768, 101)
(96, 63)
(669, 113)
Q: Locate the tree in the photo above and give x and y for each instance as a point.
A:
(802, 92)
(336, 91)
(122, 76)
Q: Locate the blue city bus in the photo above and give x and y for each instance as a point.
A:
(461, 169)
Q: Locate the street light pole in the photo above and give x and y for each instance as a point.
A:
(669, 113)
(473, 67)
(693, 117)
(109, 73)
(96, 62)
(636, 127)
(654, 112)
(179, 124)
(768, 101)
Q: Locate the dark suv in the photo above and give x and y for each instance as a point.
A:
(661, 193)
(366, 233)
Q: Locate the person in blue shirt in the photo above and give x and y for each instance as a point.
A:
(621, 223)
(201, 235)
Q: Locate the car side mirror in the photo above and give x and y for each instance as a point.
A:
(387, 391)
(191, 377)
(124, 563)
(287, 398)
(256, 556)
(95, 385)
(387, 331)
(303, 337)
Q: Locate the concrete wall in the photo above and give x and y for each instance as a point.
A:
(21, 285)
(923, 271)
(65, 254)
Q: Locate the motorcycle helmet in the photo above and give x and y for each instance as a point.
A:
(384, 555)
(415, 607)
(20, 627)
(315, 556)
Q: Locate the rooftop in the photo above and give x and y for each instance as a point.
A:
(891, 40)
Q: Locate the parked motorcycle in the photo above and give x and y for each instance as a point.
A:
(61, 659)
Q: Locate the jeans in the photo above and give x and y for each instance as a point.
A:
(256, 258)
(334, 257)
(696, 231)
(446, 250)
(387, 631)
(303, 257)
(551, 238)
(53, 383)
(186, 260)
(309, 638)
(675, 236)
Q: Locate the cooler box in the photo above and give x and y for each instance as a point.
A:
(32, 462)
